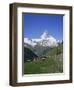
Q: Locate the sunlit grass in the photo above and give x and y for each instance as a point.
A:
(50, 65)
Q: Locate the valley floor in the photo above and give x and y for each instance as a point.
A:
(50, 65)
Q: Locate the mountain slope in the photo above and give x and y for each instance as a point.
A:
(29, 55)
(56, 50)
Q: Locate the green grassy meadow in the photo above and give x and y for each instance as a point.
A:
(50, 65)
(53, 62)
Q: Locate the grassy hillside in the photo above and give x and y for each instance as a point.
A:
(48, 66)
(53, 51)
(53, 63)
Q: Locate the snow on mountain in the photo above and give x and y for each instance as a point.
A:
(44, 40)
(45, 35)
(29, 41)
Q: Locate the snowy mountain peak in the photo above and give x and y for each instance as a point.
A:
(44, 40)
(44, 35)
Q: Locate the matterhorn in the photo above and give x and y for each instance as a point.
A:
(45, 40)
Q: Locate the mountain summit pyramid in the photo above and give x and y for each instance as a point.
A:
(45, 35)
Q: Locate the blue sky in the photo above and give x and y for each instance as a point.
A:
(36, 24)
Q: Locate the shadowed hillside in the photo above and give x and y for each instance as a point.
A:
(29, 55)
